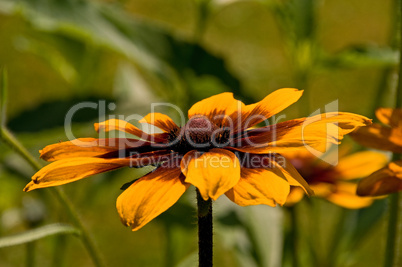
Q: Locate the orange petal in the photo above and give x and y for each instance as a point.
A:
(384, 181)
(379, 137)
(345, 196)
(360, 164)
(213, 172)
(162, 121)
(260, 186)
(73, 169)
(296, 195)
(87, 147)
(269, 106)
(217, 108)
(120, 125)
(322, 189)
(149, 196)
(291, 174)
(301, 134)
(390, 116)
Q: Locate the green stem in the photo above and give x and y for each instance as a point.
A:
(59, 251)
(205, 243)
(6, 135)
(391, 252)
(294, 235)
(333, 252)
(30, 257)
(395, 200)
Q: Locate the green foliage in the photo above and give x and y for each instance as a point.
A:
(38, 233)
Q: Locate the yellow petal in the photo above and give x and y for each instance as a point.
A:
(301, 134)
(162, 121)
(384, 181)
(291, 174)
(379, 137)
(390, 116)
(360, 164)
(269, 106)
(213, 172)
(149, 196)
(216, 108)
(296, 195)
(70, 170)
(322, 189)
(260, 186)
(345, 196)
(87, 147)
(120, 125)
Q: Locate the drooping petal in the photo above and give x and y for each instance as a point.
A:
(382, 182)
(296, 194)
(291, 174)
(150, 196)
(345, 196)
(70, 170)
(89, 147)
(390, 116)
(162, 121)
(301, 134)
(216, 108)
(120, 125)
(360, 164)
(274, 160)
(269, 106)
(213, 172)
(379, 137)
(260, 186)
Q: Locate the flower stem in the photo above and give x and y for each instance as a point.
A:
(395, 200)
(30, 258)
(391, 251)
(6, 135)
(294, 236)
(204, 231)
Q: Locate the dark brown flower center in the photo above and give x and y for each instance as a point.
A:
(199, 133)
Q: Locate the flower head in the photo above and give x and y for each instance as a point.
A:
(384, 137)
(335, 183)
(217, 150)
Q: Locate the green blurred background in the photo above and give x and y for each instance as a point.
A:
(134, 53)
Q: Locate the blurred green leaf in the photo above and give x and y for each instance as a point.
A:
(38, 233)
(267, 241)
(109, 27)
(361, 56)
(190, 261)
(3, 95)
(52, 114)
(366, 220)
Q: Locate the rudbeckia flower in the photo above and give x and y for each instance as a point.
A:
(335, 182)
(384, 137)
(218, 151)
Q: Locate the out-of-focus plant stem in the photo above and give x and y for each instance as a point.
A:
(9, 138)
(395, 199)
(294, 235)
(30, 257)
(388, 72)
(59, 194)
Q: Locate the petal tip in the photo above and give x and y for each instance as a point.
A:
(29, 187)
(96, 126)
